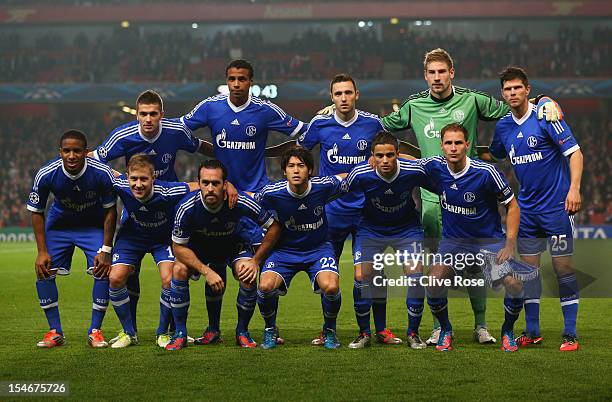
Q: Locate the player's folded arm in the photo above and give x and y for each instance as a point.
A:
(278, 150)
(110, 222)
(397, 120)
(484, 154)
(573, 201)
(342, 187)
(269, 241)
(408, 150)
(38, 226)
(186, 255)
(232, 194)
(206, 149)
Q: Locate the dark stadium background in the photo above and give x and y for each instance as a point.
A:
(80, 64)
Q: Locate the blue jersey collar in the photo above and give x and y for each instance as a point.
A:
(304, 194)
(75, 176)
(206, 207)
(240, 108)
(147, 198)
(147, 139)
(392, 178)
(462, 172)
(525, 116)
(346, 123)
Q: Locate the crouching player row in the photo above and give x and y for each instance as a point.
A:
(207, 237)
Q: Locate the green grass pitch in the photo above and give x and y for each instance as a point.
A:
(298, 371)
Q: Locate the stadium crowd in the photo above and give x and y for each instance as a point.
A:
(26, 143)
(182, 55)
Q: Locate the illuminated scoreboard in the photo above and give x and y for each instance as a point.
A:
(269, 91)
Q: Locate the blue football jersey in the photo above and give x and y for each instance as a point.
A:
(80, 199)
(388, 207)
(196, 224)
(153, 217)
(344, 144)
(127, 140)
(537, 150)
(302, 216)
(469, 199)
(239, 135)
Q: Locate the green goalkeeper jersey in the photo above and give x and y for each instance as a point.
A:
(427, 115)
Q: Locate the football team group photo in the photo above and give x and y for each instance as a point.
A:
(271, 200)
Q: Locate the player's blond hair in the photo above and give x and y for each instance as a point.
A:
(140, 161)
(438, 54)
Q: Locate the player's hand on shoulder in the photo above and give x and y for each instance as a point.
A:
(573, 201)
(232, 195)
(247, 270)
(42, 265)
(327, 110)
(547, 107)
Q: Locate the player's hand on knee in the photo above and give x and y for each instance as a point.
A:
(327, 110)
(43, 265)
(102, 263)
(247, 270)
(214, 281)
(573, 201)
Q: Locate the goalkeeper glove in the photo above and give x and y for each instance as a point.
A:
(327, 110)
(549, 108)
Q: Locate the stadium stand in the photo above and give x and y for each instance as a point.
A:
(183, 55)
